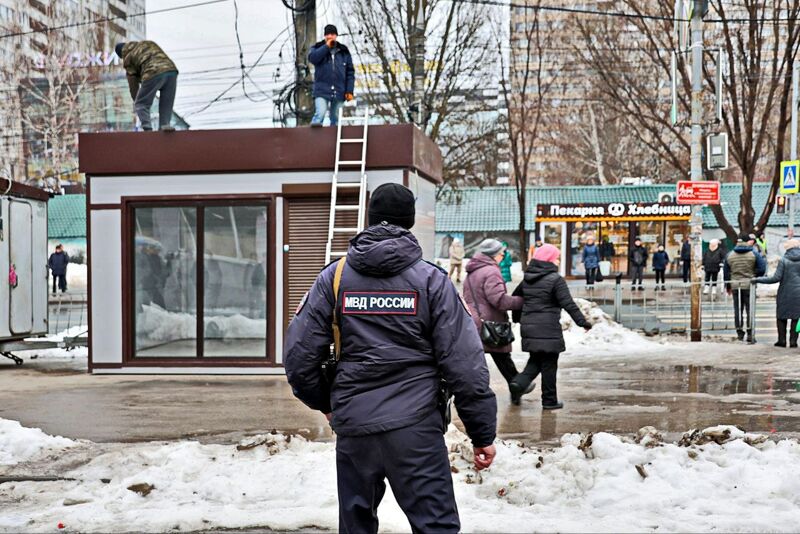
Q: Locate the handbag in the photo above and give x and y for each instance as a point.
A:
(492, 333)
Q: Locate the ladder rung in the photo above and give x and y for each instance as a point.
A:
(346, 208)
(346, 230)
(351, 162)
(351, 119)
(348, 184)
(338, 253)
(353, 140)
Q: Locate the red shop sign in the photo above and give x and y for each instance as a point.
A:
(698, 192)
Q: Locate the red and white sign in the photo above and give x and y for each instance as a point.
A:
(698, 192)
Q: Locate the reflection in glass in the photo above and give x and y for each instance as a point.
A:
(235, 281)
(580, 232)
(165, 252)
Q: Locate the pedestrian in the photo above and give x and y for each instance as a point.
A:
(712, 263)
(638, 258)
(761, 242)
(57, 262)
(334, 76)
(607, 251)
(545, 294)
(506, 263)
(591, 261)
(660, 264)
(686, 259)
(456, 258)
(398, 327)
(488, 300)
(150, 71)
(782, 243)
(741, 265)
(787, 310)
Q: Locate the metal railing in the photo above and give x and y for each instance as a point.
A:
(67, 310)
(653, 310)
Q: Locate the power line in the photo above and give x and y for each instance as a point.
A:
(109, 19)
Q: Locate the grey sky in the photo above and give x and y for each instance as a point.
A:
(203, 38)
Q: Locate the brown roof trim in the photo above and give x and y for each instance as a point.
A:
(22, 190)
(401, 146)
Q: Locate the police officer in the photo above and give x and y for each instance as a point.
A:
(403, 328)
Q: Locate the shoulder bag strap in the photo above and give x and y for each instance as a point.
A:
(337, 334)
(468, 283)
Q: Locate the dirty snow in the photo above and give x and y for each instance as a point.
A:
(77, 353)
(606, 335)
(19, 444)
(718, 479)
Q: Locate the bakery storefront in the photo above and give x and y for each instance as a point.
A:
(567, 226)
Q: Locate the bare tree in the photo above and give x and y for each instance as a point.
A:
(457, 69)
(528, 76)
(760, 41)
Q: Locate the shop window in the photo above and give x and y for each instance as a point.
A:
(580, 232)
(204, 265)
(618, 234)
(652, 234)
(676, 232)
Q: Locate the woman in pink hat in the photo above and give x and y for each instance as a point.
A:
(545, 294)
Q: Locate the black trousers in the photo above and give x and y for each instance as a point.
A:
(687, 267)
(741, 305)
(660, 275)
(637, 274)
(415, 461)
(712, 277)
(546, 364)
(782, 324)
(505, 364)
(61, 280)
(591, 275)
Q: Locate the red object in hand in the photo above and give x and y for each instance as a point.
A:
(61, 525)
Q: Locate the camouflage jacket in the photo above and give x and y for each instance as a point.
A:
(144, 60)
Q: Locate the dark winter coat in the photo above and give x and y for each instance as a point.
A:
(788, 276)
(607, 250)
(485, 285)
(334, 74)
(58, 263)
(639, 256)
(712, 260)
(392, 358)
(743, 264)
(660, 260)
(686, 251)
(591, 256)
(545, 294)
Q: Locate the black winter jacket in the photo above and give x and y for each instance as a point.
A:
(403, 327)
(712, 260)
(546, 294)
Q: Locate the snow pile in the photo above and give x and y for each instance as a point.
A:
(598, 482)
(606, 335)
(60, 354)
(77, 277)
(19, 444)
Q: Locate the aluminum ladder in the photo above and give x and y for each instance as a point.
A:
(336, 185)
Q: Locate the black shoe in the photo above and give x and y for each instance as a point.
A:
(516, 400)
(556, 406)
(656, 288)
(316, 125)
(168, 128)
(530, 388)
(781, 344)
(793, 345)
(749, 339)
(740, 336)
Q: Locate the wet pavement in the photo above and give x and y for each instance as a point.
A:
(673, 388)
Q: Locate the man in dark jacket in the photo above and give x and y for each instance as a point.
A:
(403, 328)
(638, 259)
(741, 266)
(150, 71)
(686, 259)
(58, 267)
(334, 76)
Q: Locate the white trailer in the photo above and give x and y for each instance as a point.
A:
(23, 265)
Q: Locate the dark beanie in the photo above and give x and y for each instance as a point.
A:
(392, 203)
(330, 28)
(118, 49)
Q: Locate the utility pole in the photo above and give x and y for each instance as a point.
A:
(791, 198)
(698, 11)
(417, 42)
(305, 28)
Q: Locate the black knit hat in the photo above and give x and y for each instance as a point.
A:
(118, 49)
(393, 204)
(330, 29)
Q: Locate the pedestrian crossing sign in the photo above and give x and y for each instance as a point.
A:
(790, 185)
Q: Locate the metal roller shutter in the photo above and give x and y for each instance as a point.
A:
(307, 223)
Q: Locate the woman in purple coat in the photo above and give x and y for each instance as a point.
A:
(488, 299)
